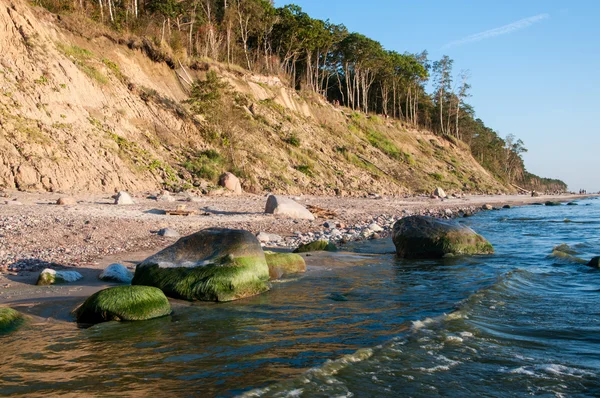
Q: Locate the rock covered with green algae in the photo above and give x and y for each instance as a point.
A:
(428, 237)
(214, 264)
(52, 277)
(315, 246)
(9, 319)
(124, 303)
(281, 264)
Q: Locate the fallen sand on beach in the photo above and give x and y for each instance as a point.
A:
(94, 233)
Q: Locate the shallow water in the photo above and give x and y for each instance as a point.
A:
(359, 324)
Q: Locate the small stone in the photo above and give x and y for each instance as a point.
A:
(263, 237)
(375, 227)
(66, 201)
(168, 233)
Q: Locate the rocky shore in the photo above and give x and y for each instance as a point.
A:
(38, 233)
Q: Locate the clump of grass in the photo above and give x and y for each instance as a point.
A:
(115, 69)
(305, 169)
(379, 141)
(436, 176)
(206, 164)
(293, 140)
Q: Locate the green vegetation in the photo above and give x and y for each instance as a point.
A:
(281, 264)
(124, 303)
(305, 169)
(206, 94)
(317, 245)
(83, 59)
(322, 58)
(206, 164)
(115, 70)
(9, 319)
(293, 140)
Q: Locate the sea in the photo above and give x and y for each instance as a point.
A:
(359, 323)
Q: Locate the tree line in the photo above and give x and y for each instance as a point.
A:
(344, 67)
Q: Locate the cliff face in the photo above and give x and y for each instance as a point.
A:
(100, 113)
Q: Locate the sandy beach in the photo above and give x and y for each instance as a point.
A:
(36, 233)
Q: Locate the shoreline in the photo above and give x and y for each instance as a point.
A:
(94, 233)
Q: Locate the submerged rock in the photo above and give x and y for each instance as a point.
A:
(214, 264)
(281, 206)
(427, 237)
(550, 203)
(572, 204)
(315, 246)
(116, 273)
(52, 277)
(566, 252)
(124, 303)
(281, 264)
(9, 319)
(594, 262)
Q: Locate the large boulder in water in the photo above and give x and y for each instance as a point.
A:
(124, 303)
(211, 265)
(428, 237)
(280, 206)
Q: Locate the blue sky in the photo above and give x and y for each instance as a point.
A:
(537, 78)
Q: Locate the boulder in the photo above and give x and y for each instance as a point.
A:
(594, 262)
(428, 237)
(168, 233)
(550, 203)
(66, 201)
(507, 207)
(214, 264)
(487, 207)
(281, 264)
(315, 246)
(281, 206)
(9, 319)
(52, 277)
(116, 273)
(439, 192)
(124, 303)
(572, 204)
(230, 182)
(123, 198)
